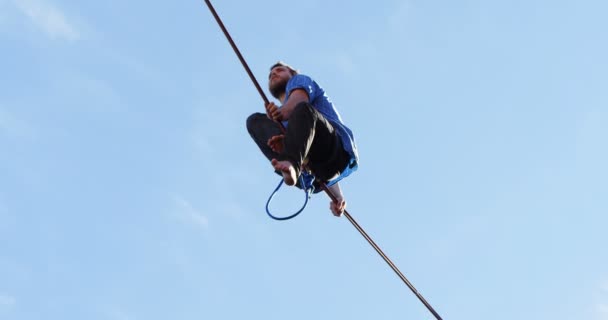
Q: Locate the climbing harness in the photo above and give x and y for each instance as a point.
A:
(324, 187)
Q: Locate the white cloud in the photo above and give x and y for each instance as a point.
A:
(187, 213)
(48, 18)
(7, 301)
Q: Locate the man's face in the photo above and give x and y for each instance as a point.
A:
(277, 80)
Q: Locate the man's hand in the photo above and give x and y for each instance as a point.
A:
(273, 112)
(276, 143)
(337, 208)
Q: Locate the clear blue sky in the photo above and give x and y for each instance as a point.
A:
(130, 189)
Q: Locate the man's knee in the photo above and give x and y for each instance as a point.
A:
(253, 121)
(303, 108)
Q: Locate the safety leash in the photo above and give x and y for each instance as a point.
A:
(322, 184)
(307, 192)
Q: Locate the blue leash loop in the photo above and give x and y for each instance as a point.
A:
(306, 191)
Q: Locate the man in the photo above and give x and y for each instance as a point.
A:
(315, 137)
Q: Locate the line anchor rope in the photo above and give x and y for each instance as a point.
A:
(324, 187)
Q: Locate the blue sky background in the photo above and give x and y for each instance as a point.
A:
(130, 189)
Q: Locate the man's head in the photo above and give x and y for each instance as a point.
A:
(279, 74)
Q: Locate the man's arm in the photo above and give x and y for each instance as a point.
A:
(337, 208)
(279, 114)
(296, 96)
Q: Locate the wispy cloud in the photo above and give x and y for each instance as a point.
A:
(346, 63)
(12, 126)
(50, 19)
(186, 212)
(84, 91)
(7, 301)
(397, 20)
(3, 212)
(601, 308)
(116, 313)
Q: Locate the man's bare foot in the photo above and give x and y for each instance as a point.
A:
(287, 169)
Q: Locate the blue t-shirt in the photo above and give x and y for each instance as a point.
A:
(321, 102)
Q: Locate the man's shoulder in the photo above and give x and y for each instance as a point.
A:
(301, 78)
(302, 81)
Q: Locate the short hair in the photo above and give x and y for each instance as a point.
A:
(283, 64)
